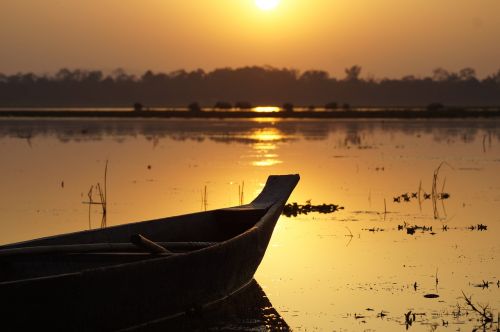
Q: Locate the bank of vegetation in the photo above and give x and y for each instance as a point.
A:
(245, 87)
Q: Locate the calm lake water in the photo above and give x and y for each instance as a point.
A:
(361, 268)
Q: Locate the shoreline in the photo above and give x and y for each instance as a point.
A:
(334, 114)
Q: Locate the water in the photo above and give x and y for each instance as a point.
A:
(355, 269)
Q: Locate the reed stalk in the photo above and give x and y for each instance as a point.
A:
(204, 201)
(241, 190)
(435, 193)
(103, 199)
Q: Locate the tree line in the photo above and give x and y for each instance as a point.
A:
(244, 87)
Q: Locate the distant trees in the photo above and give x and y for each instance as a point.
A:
(138, 107)
(288, 107)
(352, 73)
(244, 105)
(315, 76)
(224, 105)
(465, 74)
(433, 107)
(331, 106)
(194, 107)
(244, 87)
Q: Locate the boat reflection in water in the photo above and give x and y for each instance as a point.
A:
(248, 310)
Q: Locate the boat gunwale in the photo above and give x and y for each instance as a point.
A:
(159, 257)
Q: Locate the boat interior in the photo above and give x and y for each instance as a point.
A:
(79, 251)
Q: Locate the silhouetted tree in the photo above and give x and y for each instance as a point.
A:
(194, 107)
(467, 74)
(495, 77)
(331, 106)
(440, 75)
(314, 76)
(243, 105)
(120, 75)
(433, 107)
(223, 105)
(352, 73)
(138, 107)
(288, 107)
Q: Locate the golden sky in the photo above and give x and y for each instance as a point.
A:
(386, 37)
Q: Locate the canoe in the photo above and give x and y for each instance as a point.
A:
(132, 275)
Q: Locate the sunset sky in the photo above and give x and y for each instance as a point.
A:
(386, 37)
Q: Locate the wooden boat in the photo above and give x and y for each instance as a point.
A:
(99, 280)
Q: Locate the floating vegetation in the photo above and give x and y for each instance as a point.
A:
(484, 284)
(435, 195)
(409, 319)
(382, 314)
(478, 227)
(407, 197)
(294, 209)
(412, 229)
(373, 229)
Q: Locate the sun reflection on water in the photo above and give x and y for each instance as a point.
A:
(267, 135)
(266, 140)
(266, 162)
(266, 109)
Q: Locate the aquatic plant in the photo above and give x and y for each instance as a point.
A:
(295, 209)
(435, 195)
(484, 312)
(103, 198)
(478, 227)
(241, 191)
(204, 201)
(411, 229)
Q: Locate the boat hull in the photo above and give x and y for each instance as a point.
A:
(132, 294)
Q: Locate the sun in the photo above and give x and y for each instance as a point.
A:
(267, 4)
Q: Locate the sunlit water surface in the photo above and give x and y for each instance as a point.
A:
(356, 269)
